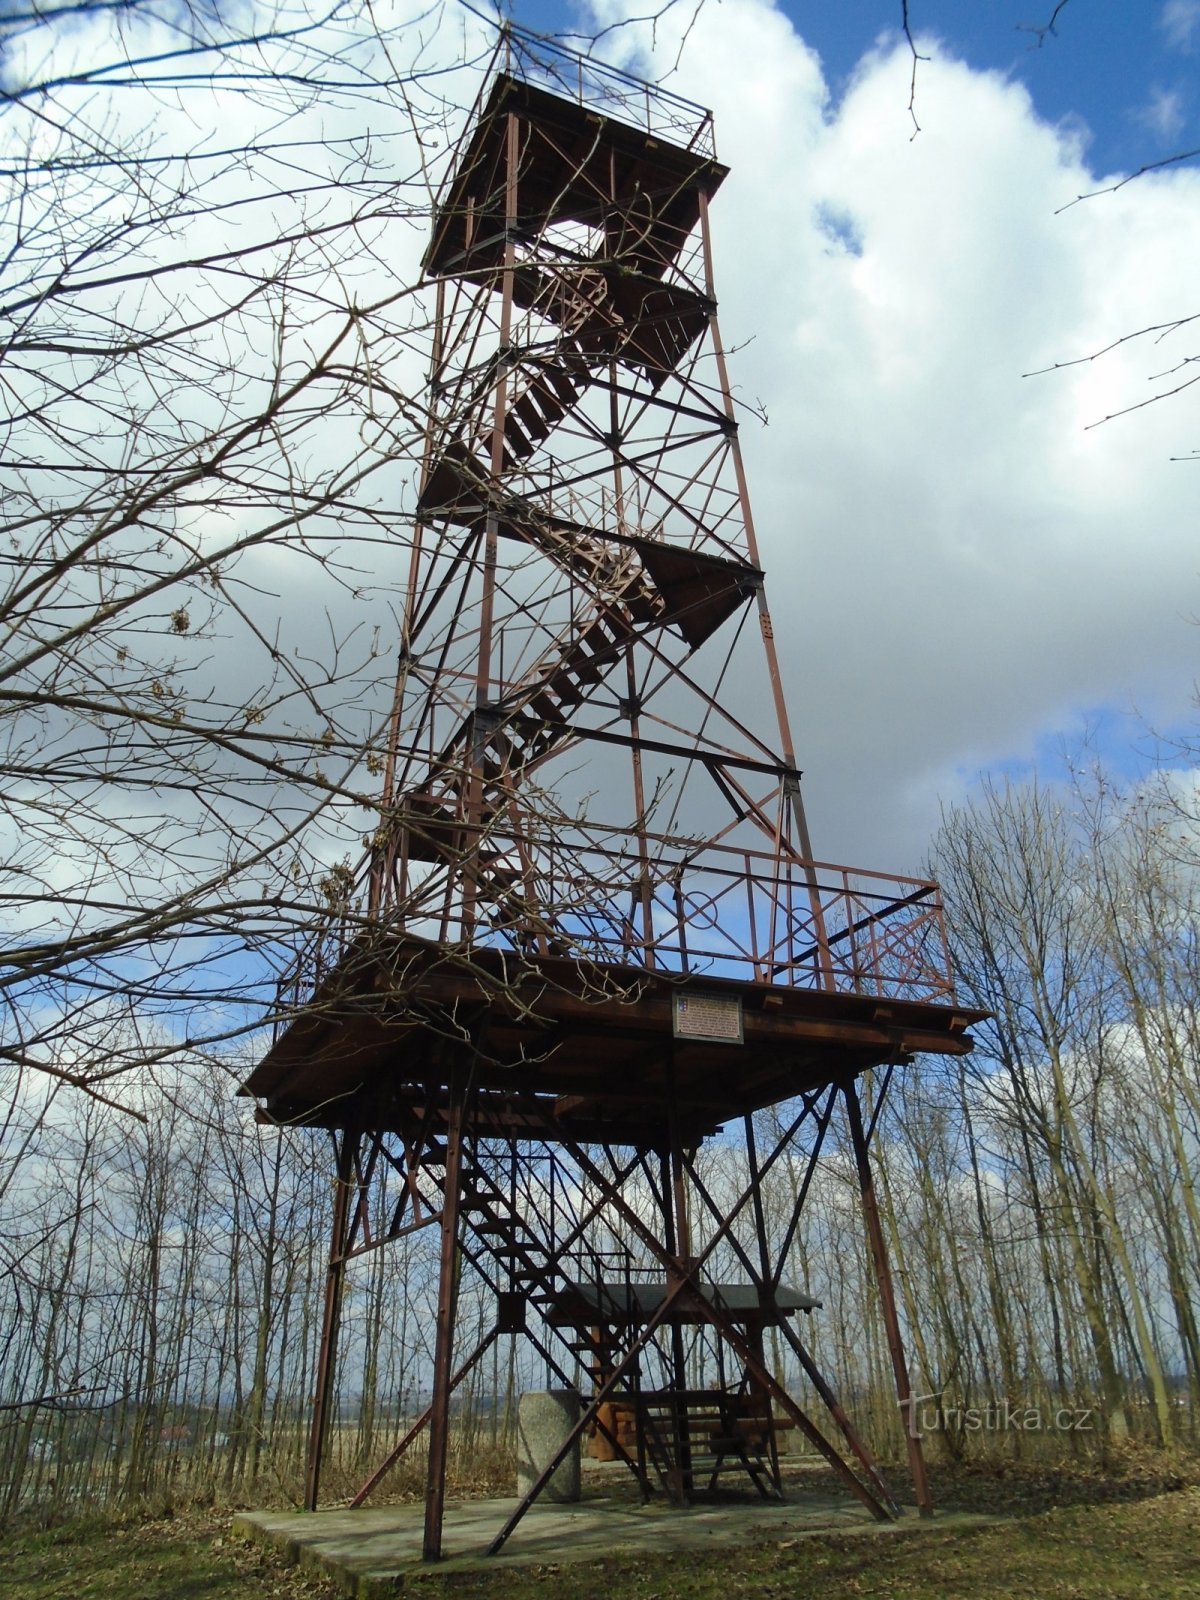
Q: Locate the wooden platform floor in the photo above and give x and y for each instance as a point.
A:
(592, 1051)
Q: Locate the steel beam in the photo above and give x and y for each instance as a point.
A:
(887, 1299)
(347, 1150)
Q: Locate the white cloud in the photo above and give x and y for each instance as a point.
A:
(958, 565)
(1180, 21)
(1163, 113)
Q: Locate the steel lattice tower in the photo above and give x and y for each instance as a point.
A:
(593, 933)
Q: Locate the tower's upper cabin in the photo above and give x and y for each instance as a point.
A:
(596, 149)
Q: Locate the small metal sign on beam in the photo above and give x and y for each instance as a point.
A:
(715, 1018)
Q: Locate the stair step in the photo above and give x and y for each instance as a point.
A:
(535, 422)
(543, 704)
(599, 635)
(521, 445)
(642, 604)
(566, 689)
(550, 405)
(563, 383)
(477, 456)
(586, 668)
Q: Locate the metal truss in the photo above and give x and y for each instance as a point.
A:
(592, 803)
(591, 752)
(613, 1264)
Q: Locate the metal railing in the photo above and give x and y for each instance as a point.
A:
(600, 86)
(683, 907)
(591, 82)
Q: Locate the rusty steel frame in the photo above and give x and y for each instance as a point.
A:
(444, 1178)
(585, 594)
(584, 534)
(672, 1243)
(331, 1316)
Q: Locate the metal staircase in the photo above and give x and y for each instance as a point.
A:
(588, 932)
(578, 421)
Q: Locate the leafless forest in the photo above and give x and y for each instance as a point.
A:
(213, 336)
(163, 1278)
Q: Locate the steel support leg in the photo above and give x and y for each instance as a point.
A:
(443, 1354)
(327, 1354)
(887, 1299)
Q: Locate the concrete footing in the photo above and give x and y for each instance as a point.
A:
(544, 1422)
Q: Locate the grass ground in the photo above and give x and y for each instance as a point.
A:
(1067, 1535)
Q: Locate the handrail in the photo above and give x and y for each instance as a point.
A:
(539, 59)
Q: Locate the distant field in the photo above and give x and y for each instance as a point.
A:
(1066, 1537)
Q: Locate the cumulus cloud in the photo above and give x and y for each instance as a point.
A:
(963, 566)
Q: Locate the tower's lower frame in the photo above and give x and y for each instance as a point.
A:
(483, 1135)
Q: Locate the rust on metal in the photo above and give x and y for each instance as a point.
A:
(590, 932)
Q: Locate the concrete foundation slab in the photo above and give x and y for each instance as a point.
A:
(375, 1552)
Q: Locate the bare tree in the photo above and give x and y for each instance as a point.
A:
(1063, 926)
(211, 322)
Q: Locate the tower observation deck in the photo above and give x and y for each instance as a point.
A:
(591, 932)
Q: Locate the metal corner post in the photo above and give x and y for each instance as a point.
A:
(887, 1298)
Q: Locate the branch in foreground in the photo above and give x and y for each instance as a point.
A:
(1150, 166)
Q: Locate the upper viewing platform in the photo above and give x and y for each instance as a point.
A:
(602, 89)
(612, 153)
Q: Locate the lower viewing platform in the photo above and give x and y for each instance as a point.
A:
(560, 1047)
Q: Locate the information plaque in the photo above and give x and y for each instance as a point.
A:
(716, 1018)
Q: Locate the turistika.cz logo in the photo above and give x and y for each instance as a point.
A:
(926, 1414)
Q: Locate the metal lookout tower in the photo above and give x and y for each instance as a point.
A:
(591, 934)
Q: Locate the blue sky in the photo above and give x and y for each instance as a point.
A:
(1126, 70)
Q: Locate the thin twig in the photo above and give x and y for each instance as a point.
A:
(916, 56)
(1046, 29)
(1162, 329)
(1150, 166)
